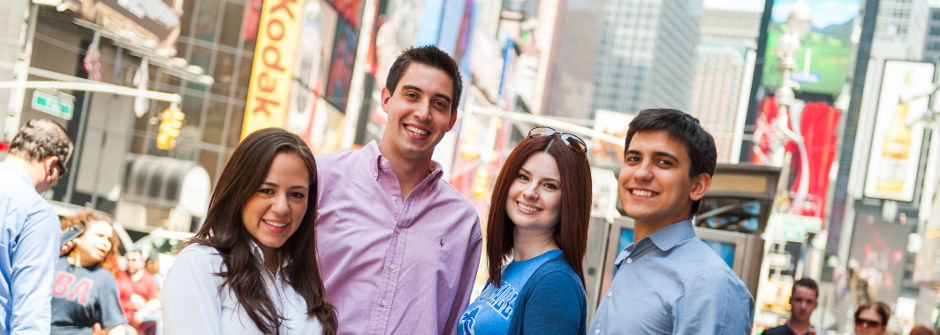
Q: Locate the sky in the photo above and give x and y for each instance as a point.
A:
(825, 12)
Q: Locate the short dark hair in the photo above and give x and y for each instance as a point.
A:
(881, 308)
(571, 232)
(40, 139)
(807, 283)
(681, 127)
(431, 56)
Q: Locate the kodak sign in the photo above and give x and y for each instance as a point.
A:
(273, 65)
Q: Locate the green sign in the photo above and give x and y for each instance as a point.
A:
(60, 105)
(792, 227)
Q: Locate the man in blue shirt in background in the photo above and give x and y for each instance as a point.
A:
(29, 230)
(669, 281)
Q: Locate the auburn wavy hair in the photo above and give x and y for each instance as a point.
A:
(571, 231)
(223, 230)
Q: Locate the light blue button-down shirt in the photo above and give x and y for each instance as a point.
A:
(29, 245)
(672, 283)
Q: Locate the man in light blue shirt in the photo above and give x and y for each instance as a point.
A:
(669, 281)
(29, 230)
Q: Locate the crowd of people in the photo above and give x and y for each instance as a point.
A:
(374, 241)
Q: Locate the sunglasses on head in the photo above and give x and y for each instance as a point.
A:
(865, 323)
(572, 140)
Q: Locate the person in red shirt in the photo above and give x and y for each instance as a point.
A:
(140, 297)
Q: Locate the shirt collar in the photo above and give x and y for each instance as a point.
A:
(669, 236)
(380, 162)
(664, 239)
(256, 250)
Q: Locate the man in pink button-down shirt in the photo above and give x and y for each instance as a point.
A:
(398, 246)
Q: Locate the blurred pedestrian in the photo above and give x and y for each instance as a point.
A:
(539, 220)
(921, 330)
(404, 245)
(803, 301)
(140, 298)
(39, 154)
(668, 281)
(84, 293)
(872, 318)
(252, 267)
(153, 267)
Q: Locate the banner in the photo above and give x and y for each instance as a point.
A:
(822, 64)
(273, 66)
(895, 148)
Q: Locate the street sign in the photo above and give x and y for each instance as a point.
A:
(792, 227)
(60, 105)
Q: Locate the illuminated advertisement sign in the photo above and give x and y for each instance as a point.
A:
(157, 21)
(273, 66)
(823, 61)
(895, 147)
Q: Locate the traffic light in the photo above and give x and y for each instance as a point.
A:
(172, 120)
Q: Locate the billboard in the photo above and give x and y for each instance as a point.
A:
(825, 54)
(895, 149)
(273, 66)
(156, 21)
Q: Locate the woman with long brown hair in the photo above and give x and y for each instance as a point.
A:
(538, 219)
(252, 267)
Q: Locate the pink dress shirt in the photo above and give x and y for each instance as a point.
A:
(393, 267)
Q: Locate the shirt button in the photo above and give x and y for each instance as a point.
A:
(374, 174)
(629, 260)
(384, 303)
(394, 198)
(392, 267)
(397, 231)
(597, 331)
(610, 293)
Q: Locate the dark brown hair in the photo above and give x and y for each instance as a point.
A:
(807, 283)
(879, 307)
(223, 230)
(571, 232)
(431, 56)
(684, 128)
(42, 138)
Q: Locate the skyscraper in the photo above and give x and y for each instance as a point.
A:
(723, 72)
(647, 55)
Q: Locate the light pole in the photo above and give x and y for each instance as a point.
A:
(797, 26)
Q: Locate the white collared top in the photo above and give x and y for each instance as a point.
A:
(193, 304)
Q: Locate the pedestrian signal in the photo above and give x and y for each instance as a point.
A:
(172, 121)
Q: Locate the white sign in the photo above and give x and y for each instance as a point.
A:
(895, 148)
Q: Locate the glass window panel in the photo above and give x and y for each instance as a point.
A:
(232, 24)
(192, 107)
(209, 160)
(188, 18)
(215, 120)
(224, 73)
(205, 22)
(236, 115)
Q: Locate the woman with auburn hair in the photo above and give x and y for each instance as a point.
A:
(84, 294)
(538, 219)
(252, 267)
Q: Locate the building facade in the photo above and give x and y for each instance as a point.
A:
(647, 55)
